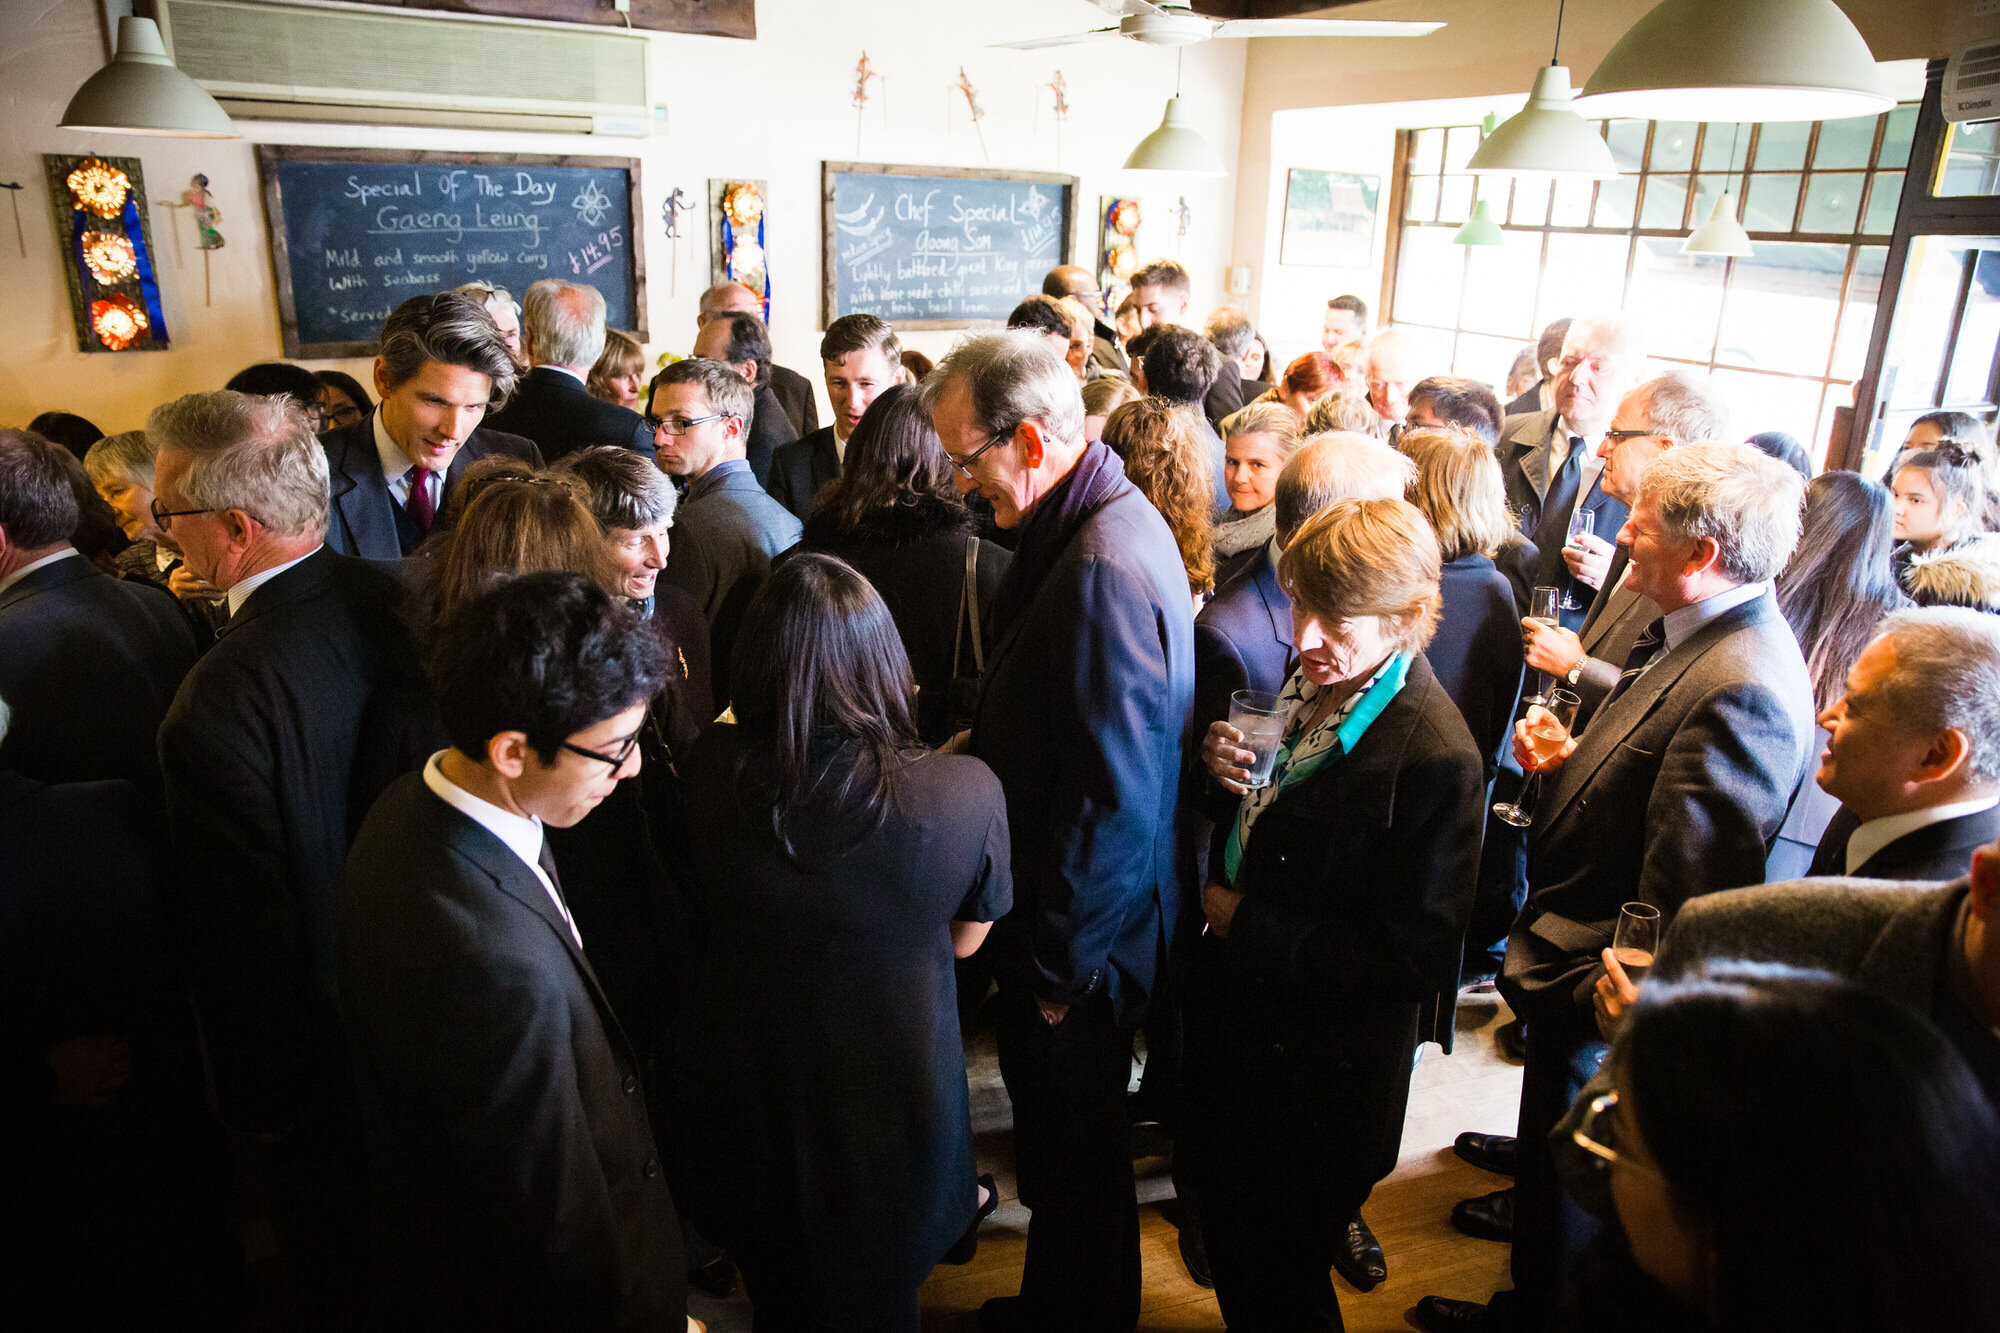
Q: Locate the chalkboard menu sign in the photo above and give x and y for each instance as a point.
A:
(939, 247)
(354, 233)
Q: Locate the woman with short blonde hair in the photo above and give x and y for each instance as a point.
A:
(1258, 441)
(620, 370)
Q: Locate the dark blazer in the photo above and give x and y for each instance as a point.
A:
(363, 517)
(767, 429)
(284, 733)
(1676, 788)
(1225, 395)
(795, 395)
(515, 1184)
(1242, 641)
(800, 468)
(552, 408)
(1524, 454)
(1218, 455)
(1529, 401)
(1086, 700)
(725, 532)
(685, 629)
(88, 664)
(1476, 652)
(1618, 616)
(1941, 851)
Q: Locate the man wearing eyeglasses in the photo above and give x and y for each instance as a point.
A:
(727, 527)
(1072, 280)
(516, 1181)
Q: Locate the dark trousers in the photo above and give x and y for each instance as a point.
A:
(1551, 1232)
(1073, 1160)
(779, 1303)
(1502, 886)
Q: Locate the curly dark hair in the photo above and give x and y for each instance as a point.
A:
(546, 654)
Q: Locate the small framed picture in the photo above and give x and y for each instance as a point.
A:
(1329, 219)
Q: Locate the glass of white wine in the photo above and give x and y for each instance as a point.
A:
(1549, 722)
(1544, 608)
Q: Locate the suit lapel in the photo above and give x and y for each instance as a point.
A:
(1965, 832)
(361, 495)
(1535, 453)
(1604, 618)
(1281, 617)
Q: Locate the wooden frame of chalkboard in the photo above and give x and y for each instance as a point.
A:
(829, 264)
(269, 156)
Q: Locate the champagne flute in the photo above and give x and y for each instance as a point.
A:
(1636, 939)
(1545, 608)
(1582, 523)
(1548, 731)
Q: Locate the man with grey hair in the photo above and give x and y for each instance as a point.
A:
(794, 391)
(1676, 788)
(564, 336)
(1913, 749)
(1229, 330)
(308, 705)
(506, 312)
(1398, 360)
(1081, 714)
(91, 661)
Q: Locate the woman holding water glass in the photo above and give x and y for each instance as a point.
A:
(1336, 907)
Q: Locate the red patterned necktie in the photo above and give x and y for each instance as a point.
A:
(421, 509)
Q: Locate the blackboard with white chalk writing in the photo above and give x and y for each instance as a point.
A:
(354, 233)
(939, 247)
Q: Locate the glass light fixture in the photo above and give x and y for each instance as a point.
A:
(142, 91)
(1480, 228)
(1741, 60)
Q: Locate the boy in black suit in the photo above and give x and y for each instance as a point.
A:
(515, 1182)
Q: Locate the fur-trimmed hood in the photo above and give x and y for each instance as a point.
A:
(1967, 574)
(891, 525)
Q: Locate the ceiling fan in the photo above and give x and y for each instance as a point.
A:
(1175, 23)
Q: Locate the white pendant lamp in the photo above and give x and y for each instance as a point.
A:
(1480, 228)
(142, 91)
(1546, 137)
(1722, 234)
(1741, 60)
(1177, 146)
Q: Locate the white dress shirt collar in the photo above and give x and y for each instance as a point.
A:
(520, 835)
(1876, 834)
(239, 591)
(33, 565)
(1682, 623)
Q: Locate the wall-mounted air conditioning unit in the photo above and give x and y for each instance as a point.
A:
(368, 66)
(1972, 83)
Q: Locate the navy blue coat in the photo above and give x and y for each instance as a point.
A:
(1087, 697)
(1476, 652)
(1242, 641)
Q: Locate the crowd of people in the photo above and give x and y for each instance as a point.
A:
(534, 835)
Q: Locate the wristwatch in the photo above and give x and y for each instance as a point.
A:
(1575, 673)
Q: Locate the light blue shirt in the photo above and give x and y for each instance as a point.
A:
(1684, 622)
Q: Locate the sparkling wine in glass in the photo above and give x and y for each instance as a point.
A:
(1544, 608)
(1582, 523)
(1548, 731)
(1636, 939)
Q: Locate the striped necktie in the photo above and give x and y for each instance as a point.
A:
(1644, 650)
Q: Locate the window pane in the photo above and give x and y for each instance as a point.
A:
(1923, 321)
(1500, 287)
(1460, 147)
(1584, 273)
(1781, 145)
(1832, 202)
(1783, 304)
(1614, 202)
(1845, 143)
(1978, 333)
(1422, 204)
(1673, 146)
(1706, 188)
(1531, 201)
(1857, 322)
(1681, 295)
(1758, 403)
(1628, 143)
(1427, 151)
(1896, 139)
(1428, 276)
(1571, 207)
(1486, 359)
(1455, 199)
(1883, 197)
(1772, 201)
(1666, 197)
(1725, 148)
(1970, 157)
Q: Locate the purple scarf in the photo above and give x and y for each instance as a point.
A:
(1057, 515)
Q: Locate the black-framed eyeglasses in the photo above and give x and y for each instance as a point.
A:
(163, 519)
(964, 465)
(1611, 435)
(681, 425)
(616, 760)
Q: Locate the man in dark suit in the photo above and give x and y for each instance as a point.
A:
(742, 343)
(442, 364)
(1081, 715)
(863, 359)
(1675, 789)
(517, 1185)
(308, 704)
(726, 529)
(564, 333)
(794, 391)
(1548, 359)
(1550, 460)
(1913, 750)
(91, 662)
(1074, 280)
(1230, 330)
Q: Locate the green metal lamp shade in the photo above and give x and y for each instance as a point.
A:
(1722, 234)
(1176, 146)
(1546, 138)
(1480, 228)
(143, 92)
(1738, 60)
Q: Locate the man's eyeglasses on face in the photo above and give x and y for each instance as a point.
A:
(616, 760)
(1612, 436)
(964, 465)
(680, 425)
(164, 518)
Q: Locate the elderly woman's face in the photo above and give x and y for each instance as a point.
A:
(1332, 651)
(132, 504)
(642, 554)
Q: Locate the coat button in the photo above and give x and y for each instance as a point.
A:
(631, 1083)
(652, 1168)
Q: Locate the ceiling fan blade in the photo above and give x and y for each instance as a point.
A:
(1125, 8)
(1036, 43)
(1323, 28)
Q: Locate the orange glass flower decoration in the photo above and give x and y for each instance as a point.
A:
(117, 321)
(109, 256)
(99, 187)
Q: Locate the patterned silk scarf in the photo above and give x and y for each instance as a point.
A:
(1301, 755)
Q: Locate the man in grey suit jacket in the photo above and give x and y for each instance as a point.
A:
(726, 529)
(1696, 751)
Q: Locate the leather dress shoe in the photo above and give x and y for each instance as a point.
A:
(1003, 1314)
(966, 1246)
(1194, 1252)
(1488, 1152)
(1358, 1257)
(1512, 1039)
(1489, 1216)
(1437, 1314)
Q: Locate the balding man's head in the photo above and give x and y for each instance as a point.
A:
(728, 298)
(564, 324)
(1074, 280)
(1341, 465)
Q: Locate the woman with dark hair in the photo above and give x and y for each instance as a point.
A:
(822, 1116)
(69, 430)
(1945, 557)
(1789, 1151)
(894, 515)
(1834, 594)
(342, 400)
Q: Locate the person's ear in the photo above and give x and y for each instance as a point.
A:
(238, 526)
(1707, 556)
(1949, 750)
(1985, 880)
(381, 378)
(1033, 447)
(733, 426)
(507, 753)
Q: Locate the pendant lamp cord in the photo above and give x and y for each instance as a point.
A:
(1180, 56)
(1553, 58)
(1734, 135)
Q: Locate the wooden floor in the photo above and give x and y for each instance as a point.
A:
(1473, 1088)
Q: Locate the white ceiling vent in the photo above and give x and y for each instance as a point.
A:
(284, 62)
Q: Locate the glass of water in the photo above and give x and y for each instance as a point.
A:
(1261, 718)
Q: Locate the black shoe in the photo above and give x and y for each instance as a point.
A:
(1358, 1257)
(1436, 1314)
(966, 1246)
(1489, 1217)
(1003, 1314)
(1194, 1253)
(717, 1277)
(1513, 1039)
(1488, 1152)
